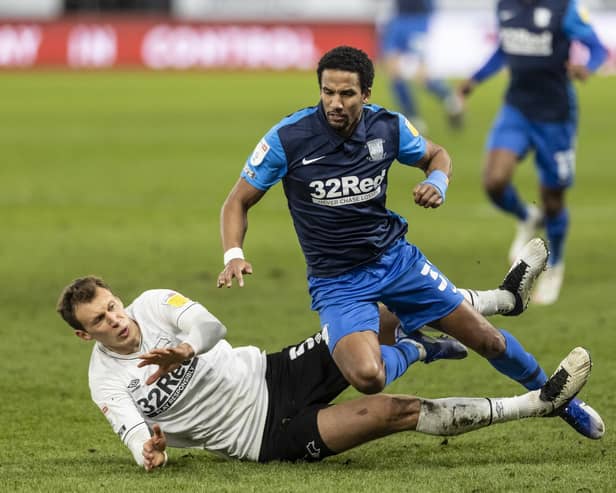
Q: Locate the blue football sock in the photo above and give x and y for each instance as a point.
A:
(519, 365)
(404, 97)
(509, 201)
(556, 229)
(397, 359)
(439, 88)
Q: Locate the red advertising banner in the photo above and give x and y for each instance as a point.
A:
(163, 44)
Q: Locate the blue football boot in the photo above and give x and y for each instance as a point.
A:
(583, 419)
(433, 348)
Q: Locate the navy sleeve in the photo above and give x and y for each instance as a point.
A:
(577, 26)
(491, 66)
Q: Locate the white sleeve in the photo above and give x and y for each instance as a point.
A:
(124, 418)
(203, 329)
(191, 321)
(135, 439)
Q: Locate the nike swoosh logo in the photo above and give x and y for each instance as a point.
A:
(308, 161)
(507, 15)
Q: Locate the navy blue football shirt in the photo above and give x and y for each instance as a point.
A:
(414, 6)
(335, 186)
(535, 38)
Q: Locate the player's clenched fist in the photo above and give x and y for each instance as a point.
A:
(427, 196)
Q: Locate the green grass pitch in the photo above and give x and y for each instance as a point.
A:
(123, 175)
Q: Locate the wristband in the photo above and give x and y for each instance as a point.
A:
(438, 180)
(233, 253)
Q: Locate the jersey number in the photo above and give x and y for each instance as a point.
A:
(565, 161)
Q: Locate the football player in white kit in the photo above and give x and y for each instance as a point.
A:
(162, 363)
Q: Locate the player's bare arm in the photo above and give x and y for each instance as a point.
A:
(234, 224)
(436, 164)
(154, 454)
(167, 359)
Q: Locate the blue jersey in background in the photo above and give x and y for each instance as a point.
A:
(535, 39)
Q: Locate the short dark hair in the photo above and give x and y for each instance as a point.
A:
(348, 59)
(81, 290)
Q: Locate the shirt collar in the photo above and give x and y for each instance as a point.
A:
(358, 135)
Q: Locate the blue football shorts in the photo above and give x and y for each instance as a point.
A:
(553, 143)
(405, 34)
(401, 278)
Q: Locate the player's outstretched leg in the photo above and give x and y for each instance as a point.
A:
(456, 415)
(511, 298)
(432, 348)
(522, 367)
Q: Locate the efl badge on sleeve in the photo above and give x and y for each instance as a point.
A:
(411, 128)
(584, 14)
(176, 300)
(259, 153)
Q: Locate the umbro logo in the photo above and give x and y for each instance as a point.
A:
(133, 384)
(310, 161)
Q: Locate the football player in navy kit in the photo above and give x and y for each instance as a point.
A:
(539, 114)
(403, 43)
(162, 374)
(333, 160)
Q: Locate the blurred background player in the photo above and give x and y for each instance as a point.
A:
(403, 39)
(539, 113)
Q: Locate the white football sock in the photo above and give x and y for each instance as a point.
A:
(491, 302)
(456, 415)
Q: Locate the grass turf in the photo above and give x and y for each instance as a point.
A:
(123, 175)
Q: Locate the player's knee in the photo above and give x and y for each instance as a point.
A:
(368, 378)
(494, 187)
(494, 181)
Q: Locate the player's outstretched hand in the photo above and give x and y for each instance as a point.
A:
(578, 72)
(167, 359)
(154, 449)
(427, 196)
(234, 268)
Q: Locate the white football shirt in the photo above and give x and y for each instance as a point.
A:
(217, 400)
